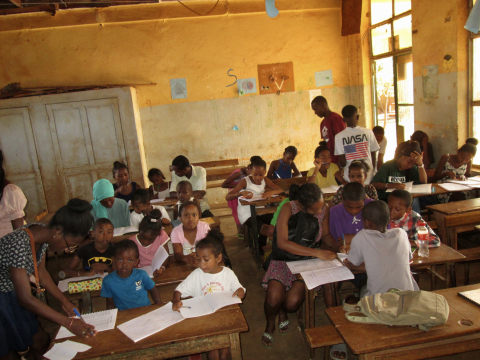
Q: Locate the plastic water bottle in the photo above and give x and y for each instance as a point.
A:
(423, 241)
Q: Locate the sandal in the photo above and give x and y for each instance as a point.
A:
(339, 348)
(283, 327)
(268, 337)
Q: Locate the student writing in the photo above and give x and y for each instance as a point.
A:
(324, 173)
(159, 188)
(141, 206)
(282, 169)
(124, 188)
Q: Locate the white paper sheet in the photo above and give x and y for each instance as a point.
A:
(59, 352)
(154, 201)
(78, 347)
(102, 320)
(321, 277)
(297, 267)
(342, 256)
(63, 284)
(328, 190)
(255, 198)
(474, 178)
(151, 323)
(421, 189)
(208, 304)
(125, 230)
(469, 182)
(408, 186)
(454, 187)
(158, 259)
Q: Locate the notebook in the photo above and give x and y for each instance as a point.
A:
(454, 187)
(102, 320)
(125, 230)
(327, 276)
(297, 267)
(208, 304)
(330, 190)
(158, 259)
(408, 186)
(472, 295)
(66, 350)
(255, 198)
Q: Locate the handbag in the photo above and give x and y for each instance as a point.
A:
(75, 287)
(38, 291)
(303, 229)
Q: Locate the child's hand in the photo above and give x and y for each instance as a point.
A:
(268, 194)
(79, 328)
(271, 230)
(193, 259)
(165, 221)
(159, 271)
(399, 186)
(325, 255)
(176, 305)
(450, 174)
(317, 164)
(240, 293)
(91, 272)
(348, 264)
(197, 196)
(344, 249)
(246, 194)
(100, 267)
(417, 157)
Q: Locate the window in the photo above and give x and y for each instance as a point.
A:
(475, 93)
(391, 52)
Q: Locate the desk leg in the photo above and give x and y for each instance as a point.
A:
(256, 248)
(235, 348)
(449, 276)
(452, 237)
(441, 228)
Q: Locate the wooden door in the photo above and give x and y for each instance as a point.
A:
(87, 138)
(20, 157)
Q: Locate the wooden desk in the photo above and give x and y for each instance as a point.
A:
(455, 217)
(372, 341)
(191, 336)
(174, 273)
(253, 212)
(286, 183)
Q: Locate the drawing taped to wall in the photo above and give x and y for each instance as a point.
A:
(323, 78)
(430, 81)
(178, 88)
(447, 62)
(247, 86)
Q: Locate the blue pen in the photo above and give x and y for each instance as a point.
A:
(80, 316)
(343, 237)
(397, 179)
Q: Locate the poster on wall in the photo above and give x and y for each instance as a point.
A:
(276, 78)
(323, 78)
(430, 81)
(178, 88)
(247, 86)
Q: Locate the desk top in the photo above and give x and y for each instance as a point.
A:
(443, 254)
(225, 321)
(463, 306)
(286, 183)
(367, 338)
(457, 207)
(272, 200)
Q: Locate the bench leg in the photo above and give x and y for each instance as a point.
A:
(235, 348)
(326, 353)
(86, 303)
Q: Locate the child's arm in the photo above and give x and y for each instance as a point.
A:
(327, 238)
(271, 169)
(176, 302)
(240, 292)
(228, 183)
(340, 178)
(178, 253)
(155, 295)
(380, 160)
(110, 303)
(276, 190)
(157, 272)
(374, 158)
(295, 170)
(237, 191)
(360, 268)
(196, 202)
(150, 191)
(311, 179)
(342, 160)
(469, 169)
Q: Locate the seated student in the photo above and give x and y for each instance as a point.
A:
(402, 216)
(406, 167)
(386, 254)
(186, 236)
(345, 218)
(149, 238)
(254, 184)
(124, 188)
(208, 278)
(105, 205)
(307, 217)
(379, 133)
(357, 172)
(230, 183)
(196, 175)
(184, 194)
(282, 169)
(426, 147)
(126, 287)
(355, 142)
(160, 188)
(324, 173)
(141, 206)
(95, 257)
(456, 167)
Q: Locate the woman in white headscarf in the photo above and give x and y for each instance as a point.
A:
(105, 205)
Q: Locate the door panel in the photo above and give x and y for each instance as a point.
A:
(21, 163)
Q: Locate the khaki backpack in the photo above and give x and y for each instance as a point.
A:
(395, 307)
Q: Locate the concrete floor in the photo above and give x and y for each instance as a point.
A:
(290, 346)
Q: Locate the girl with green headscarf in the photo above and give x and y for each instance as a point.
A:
(106, 206)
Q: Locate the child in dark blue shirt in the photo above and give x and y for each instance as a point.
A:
(126, 288)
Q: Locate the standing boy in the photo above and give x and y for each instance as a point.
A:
(331, 124)
(379, 133)
(355, 142)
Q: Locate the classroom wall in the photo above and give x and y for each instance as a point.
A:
(143, 44)
(438, 31)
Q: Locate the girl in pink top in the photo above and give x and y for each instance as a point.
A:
(188, 233)
(149, 238)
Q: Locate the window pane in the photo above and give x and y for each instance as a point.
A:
(476, 130)
(402, 5)
(381, 39)
(405, 79)
(381, 10)
(476, 69)
(402, 29)
(407, 120)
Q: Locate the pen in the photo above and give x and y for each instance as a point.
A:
(343, 237)
(397, 179)
(186, 307)
(80, 316)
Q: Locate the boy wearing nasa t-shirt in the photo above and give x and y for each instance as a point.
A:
(355, 142)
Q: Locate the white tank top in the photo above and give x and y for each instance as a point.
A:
(244, 211)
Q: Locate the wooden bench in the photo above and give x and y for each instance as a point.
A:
(472, 254)
(322, 337)
(218, 170)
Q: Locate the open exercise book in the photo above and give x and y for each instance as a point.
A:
(102, 320)
(158, 320)
(125, 230)
(255, 198)
(152, 201)
(472, 295)
(158, 259)
(330, 190)
(473, 183)
(316, 272)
